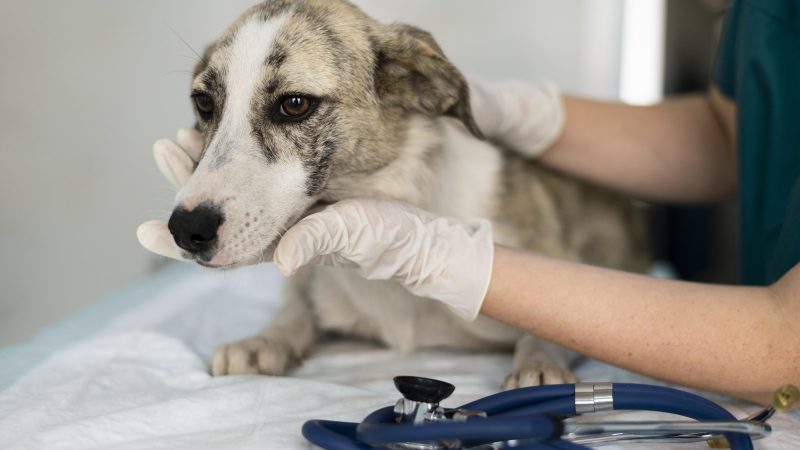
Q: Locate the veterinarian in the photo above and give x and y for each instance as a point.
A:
(744, 135)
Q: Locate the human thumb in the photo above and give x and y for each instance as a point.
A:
(155, 236)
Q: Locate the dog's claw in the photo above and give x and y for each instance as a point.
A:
(254, 355)
(537, 374)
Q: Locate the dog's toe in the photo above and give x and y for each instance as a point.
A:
(256, 354)
(536, 375)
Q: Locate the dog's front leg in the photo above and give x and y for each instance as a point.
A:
(281, 345)
(538, 362)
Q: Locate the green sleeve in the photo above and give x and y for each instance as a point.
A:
(725, 66)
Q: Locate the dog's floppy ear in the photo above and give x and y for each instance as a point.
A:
(413, 73)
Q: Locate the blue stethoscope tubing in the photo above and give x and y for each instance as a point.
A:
(530, 414)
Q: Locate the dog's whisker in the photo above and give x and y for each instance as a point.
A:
(176, 72)
(167, 200)
(192, 58)
(172, 188)
(199, 57)
(158, 211)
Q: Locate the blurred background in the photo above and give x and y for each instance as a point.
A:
(86, 86)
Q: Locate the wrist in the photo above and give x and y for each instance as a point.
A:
(504, 282)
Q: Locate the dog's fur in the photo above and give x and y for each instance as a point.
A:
(392, 122)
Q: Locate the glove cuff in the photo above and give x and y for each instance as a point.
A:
(480, 263)
(553, 126)
(538, 123)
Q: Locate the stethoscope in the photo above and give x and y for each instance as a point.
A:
(534, 418)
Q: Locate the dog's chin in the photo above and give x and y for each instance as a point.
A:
(225, 263)
(217, 266)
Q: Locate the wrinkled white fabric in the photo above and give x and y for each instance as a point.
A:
(435, 257)
(525, 117)
(144, 390)
(176, 160)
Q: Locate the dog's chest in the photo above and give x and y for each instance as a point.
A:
(384, 311)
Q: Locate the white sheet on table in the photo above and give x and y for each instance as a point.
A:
(142, 382)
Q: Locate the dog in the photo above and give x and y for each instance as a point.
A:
(302, 103)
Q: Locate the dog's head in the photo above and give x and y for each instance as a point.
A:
(295, 95)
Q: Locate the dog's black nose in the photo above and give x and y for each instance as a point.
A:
(195, 231)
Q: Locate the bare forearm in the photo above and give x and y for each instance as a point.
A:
(721, 338)
(676, 151)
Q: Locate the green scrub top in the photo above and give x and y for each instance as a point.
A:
(758, 66)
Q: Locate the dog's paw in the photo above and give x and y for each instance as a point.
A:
(256, 354)
(537, 374)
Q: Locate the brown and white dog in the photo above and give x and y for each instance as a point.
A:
(307, 102)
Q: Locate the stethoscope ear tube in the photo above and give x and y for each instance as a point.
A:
(640, 397)
(333, 435)
(550, 445)
(518, 398)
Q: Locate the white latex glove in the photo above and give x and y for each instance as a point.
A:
(433, 257)
(176, 160)
(526, 117)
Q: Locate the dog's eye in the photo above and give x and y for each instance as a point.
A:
(204, 105)
(295, 107)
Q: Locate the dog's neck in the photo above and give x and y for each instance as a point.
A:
(441, 168)
(467, 173)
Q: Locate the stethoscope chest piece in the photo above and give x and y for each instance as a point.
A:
(421, 398)
(419, 404)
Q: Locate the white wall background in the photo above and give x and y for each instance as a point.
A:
(87, 85)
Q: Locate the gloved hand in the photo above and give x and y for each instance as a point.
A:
(176, 160)
(435, 257)
(526, 117)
